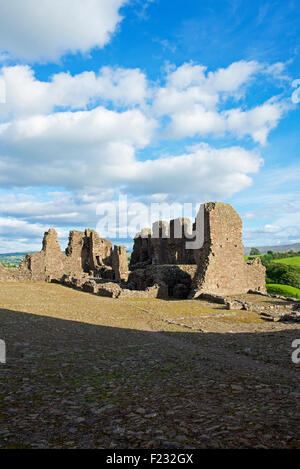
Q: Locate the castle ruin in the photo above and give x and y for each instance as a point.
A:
(162, 263)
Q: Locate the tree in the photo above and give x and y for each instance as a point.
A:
(282, 274)
(254, 252)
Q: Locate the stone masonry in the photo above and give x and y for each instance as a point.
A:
(161, 265)
(87, 253)
(220, 267)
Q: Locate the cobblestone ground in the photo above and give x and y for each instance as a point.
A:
(90, 372)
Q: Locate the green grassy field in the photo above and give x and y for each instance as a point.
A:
(294, 261)
(283, 290)
(251, 257)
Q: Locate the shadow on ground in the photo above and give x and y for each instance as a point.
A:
(70, 384)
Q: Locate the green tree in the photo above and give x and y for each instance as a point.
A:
(254, 252)
(282, 274)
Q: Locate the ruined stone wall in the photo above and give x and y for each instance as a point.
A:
(86, 252)
(255, 275)
(13, 275)
(221, 265)
(76, 255)
(221, 268)
(99, 251)
(159, 260)
(120, 263)
(176, 278)
(165, 245)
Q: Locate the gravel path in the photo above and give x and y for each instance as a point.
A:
(90, 372)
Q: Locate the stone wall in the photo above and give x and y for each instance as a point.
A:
(87, 252)
(13, 275)
(221, 265)
(166, 244)
(160, 261)
(176, 279)
(120, 263)
(255, 275)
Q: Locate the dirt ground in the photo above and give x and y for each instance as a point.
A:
(89, 372)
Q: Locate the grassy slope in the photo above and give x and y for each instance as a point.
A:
(284, 290)
(294, 261)
(251, 257)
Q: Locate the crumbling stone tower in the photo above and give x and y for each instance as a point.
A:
(221, 268)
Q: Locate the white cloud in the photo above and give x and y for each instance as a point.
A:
(196, 102)
(17, 235)
(190, 85)
(196, 121)
(36, 30)
(25, 95)
(14, 226)
(81, 149)
(271, 228)
(204, 171)
(257, 122)
(59, 133)
(97, 149)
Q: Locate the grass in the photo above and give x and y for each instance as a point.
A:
(283, 290)
(294, 261)
(251, 257)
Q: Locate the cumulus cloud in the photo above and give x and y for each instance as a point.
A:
(203, 170)
(20, 235)
(90, 135)
(257, 122)
(191, 84)
(98, 149)
(14, 226)
(36, 30)
(196, 102)
(190, 177)
(71, 149)
(25, 95)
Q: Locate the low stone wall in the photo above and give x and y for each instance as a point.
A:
(13, 275)
(111, 289)
(255, 275)
(176, 278)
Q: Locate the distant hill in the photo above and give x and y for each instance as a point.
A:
(278, 248)
(12, 259)
(11, 254)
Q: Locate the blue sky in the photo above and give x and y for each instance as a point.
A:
(160, 101)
